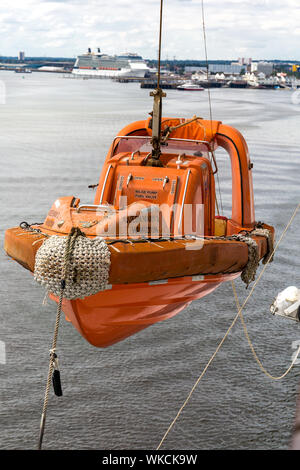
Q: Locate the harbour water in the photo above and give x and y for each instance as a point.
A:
(54, 137)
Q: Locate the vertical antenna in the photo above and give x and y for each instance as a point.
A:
(157, 94)
(159, 42)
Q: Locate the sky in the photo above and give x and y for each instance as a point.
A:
(261, 29)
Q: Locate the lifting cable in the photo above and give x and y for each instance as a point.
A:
(238, 315)
(210, 106)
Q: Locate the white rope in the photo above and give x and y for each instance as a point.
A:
(264, 370)
(209, 104)
(229, 329)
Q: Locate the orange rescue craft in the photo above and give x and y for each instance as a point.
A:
(166, 246)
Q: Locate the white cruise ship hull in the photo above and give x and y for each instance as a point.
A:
(109, 73)
(137, 70)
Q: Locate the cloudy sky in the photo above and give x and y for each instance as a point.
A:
(261, 29)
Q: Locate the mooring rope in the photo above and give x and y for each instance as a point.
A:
(229, 329)
(74, 233)
(50, 371)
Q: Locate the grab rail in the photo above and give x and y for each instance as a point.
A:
(92, 207)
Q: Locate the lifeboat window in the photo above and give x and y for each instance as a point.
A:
(143, 144)
(223, 183)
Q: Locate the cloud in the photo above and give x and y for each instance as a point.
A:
(256, 28)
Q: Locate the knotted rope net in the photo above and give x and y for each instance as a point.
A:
(85, 262)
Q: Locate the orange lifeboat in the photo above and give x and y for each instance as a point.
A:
(166, 247)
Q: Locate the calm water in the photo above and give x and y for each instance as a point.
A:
(54, 135)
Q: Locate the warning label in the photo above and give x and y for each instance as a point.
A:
(145, 194)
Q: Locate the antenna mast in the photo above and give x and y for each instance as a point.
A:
(157, 94)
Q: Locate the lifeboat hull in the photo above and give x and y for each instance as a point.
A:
(137, 262)
(113, 315)
(140, 295)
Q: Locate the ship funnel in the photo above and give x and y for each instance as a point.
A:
(89, 50)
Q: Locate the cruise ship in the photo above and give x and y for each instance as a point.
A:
(97, 64)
